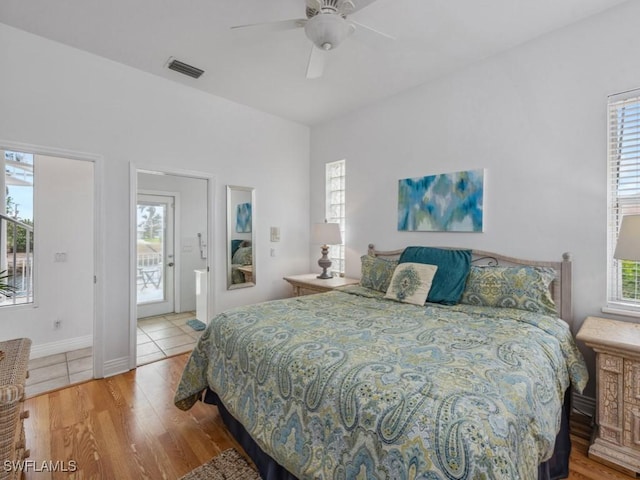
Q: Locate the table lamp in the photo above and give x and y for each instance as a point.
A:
(628, 246)
(325, 234)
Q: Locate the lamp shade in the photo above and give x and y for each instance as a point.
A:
(326, 31)
(628, 246)
(326, 234)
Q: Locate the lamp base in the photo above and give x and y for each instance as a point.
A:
(324, 263)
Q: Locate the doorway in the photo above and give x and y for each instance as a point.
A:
(49, 247)
(170, 225)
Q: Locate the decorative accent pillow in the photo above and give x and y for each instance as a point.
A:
(453, 269)
(377, 272)
(243, 256)
(524, 288)
(411, 283)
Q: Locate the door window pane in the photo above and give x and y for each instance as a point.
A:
(151, 222)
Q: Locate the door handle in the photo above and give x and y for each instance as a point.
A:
(170, 264)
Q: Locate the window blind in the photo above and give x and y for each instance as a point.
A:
(623, 289)
(335, 209)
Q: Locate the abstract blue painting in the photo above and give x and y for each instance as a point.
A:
(243, 218)
(449, 202)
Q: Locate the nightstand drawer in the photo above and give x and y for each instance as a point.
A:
(299, 291)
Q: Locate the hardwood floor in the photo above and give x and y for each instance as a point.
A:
(126, 427)
(123, 427)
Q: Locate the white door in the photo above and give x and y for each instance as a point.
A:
(155, 283)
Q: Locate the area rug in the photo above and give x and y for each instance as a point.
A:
(229, 465)
(196, 324)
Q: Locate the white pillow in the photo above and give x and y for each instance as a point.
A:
(411, 282)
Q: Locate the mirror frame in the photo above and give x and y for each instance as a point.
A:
(231, 219)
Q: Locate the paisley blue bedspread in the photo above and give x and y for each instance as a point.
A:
(347, 384)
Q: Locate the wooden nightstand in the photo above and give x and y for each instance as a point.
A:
(308, 283)
(617, 346)
(248, 272)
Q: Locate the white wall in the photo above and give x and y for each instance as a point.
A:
(534, 118)
(59, 97)
(193, 219)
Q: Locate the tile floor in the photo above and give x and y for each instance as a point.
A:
(58, 371)
(158, 337)
(164, 336)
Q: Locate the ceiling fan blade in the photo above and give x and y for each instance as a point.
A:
(315, 67)
(274, 26)
(372, 30)
(360, 4)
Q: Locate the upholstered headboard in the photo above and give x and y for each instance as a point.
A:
(560, 288)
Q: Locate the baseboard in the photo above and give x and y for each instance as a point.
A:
(116, 366)
(61, 346)
(584, 404)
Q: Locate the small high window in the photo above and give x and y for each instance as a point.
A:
(335, 209)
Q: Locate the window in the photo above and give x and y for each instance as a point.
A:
(16, 229)
(335, 209)
(623, 284)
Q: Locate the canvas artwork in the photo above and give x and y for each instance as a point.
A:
(243, 218)
(449, 202)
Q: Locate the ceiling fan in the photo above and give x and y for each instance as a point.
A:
(326, 26)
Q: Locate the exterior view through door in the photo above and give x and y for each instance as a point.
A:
(155, 255)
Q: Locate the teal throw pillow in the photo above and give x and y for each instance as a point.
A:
(451, 276)
(243, 256)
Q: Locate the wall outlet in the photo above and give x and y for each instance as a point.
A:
(57, 324)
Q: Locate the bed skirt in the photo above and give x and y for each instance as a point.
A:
(556, 467)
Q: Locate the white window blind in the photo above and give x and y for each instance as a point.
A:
(335, 209)
(623, 285)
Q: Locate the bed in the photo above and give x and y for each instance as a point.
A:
(356, 383)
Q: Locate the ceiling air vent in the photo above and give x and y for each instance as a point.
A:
(184, 68)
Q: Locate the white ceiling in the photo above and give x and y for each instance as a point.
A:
(266, 70)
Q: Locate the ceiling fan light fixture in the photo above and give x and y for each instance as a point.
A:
(327, 30)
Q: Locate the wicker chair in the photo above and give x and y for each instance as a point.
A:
(13, 373)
